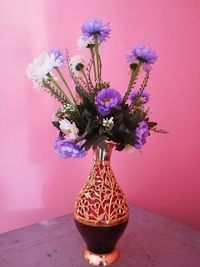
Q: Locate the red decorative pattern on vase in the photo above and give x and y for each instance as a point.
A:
(101, 201)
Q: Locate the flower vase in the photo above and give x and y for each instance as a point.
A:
(101, 210)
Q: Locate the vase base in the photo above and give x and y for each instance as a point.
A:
(100, 259)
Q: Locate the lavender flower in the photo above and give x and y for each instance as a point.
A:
(144, 98)
(57, 57)
(141, 132)
(68, 149)
(142, 53)
(96, 27)
(107, 99)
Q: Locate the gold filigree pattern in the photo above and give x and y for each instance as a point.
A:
(101, 202)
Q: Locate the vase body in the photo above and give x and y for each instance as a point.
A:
(101, 210)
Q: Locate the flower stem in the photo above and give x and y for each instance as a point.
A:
(100, 66)
(59, 97)
(94, 64)
(86, 79)
(64, 81)
(96, 48)
(144, 83)
(57, 86)
(134, 75)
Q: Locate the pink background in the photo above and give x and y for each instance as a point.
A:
(36, 185)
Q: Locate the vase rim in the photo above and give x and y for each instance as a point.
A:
(110, 142)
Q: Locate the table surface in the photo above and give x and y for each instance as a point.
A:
(149, 240)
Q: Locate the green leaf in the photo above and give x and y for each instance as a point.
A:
(120, 146)
(93, 141)
(56, 124)
(83, 94)
(85, 132)
(87, 114)
(101, 131)
(152, 124)
(93, 129)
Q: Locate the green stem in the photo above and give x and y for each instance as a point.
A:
(58, 86)
(134, 75)
(94, 65)
(100, 65)
(96, 48)
(86, 79)
(64, 81)
(60, 98)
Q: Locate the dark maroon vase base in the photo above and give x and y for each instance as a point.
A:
(101, 240)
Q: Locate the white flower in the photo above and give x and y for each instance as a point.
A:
(76, 64)
(70, 107)
(84, 41)
(37, 70)
(108, 123)
(69, 129)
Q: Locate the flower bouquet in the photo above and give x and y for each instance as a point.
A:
(94, 111)
(94, 114)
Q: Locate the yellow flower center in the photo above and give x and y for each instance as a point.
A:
(106, 99)
(68, 132)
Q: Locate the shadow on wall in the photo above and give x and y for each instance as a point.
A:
(57, 196)
(35, 184)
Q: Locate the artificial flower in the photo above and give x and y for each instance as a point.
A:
(108, 123)
(76, 64)
(69, 129)
(141, 133)
(142, 53)
(144, 97)
(86, 42)
(56, 57)
(106, 99)
(37, 70)
(96, 28)
(68, 149)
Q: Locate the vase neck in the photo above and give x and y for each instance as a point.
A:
(103, 151)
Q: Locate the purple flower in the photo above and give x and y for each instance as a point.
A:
(142, 53)
(68, 149)
(141, 133)
(144, 98)
(107, 99)
(96, 27)
(57, 57)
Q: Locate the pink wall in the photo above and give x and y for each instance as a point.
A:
(34, 183)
